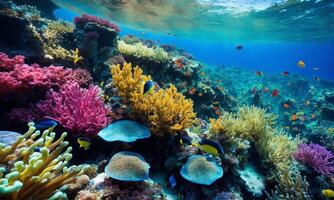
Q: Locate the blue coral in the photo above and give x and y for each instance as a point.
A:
(201, 170)
(125, 131)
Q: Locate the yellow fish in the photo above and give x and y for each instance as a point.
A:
(209, 149)
(301, 64)
(328, 193)
(76, 58)
(84, 143)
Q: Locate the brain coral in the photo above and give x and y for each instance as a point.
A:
(201, 170)
(127, 166)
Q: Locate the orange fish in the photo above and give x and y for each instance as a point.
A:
(294, 117)
(286, 105)
(275, 93)
(192, 91)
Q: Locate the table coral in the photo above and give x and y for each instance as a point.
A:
(166, 110)
(35, 166)
(81, 111)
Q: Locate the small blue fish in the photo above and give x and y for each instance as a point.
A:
(172, 181)
(45, 124)
(149, 87)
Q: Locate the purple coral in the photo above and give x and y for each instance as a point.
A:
(80, 111)
(83, 19)
(317, 157)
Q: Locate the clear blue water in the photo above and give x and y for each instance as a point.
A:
(268, 57)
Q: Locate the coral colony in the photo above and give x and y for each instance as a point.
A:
(149, 119)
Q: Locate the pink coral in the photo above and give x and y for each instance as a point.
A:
(19, 79)
(317, 157)
(81, 111)
(83, 19)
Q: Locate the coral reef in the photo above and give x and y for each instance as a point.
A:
(165, 110)
(201, 170)
(317, 157)
(81, 111)
(35, 166)
(293, 187)
(127, 166)
(139, 50)
(125, 131)
(19, 79)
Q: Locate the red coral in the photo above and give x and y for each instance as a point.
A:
(18, 79)
(81, 111)
(102, 22)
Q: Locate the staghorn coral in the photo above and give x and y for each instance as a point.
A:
(53, 38)
(317, 157)
(290, 186)
(81, 111)
(35, 166)
(165, 110)
(139, 50)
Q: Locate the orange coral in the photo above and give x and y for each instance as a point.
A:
(166, 111)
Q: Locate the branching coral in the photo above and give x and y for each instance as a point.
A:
(290, 186)
(165, 110)
(19, 79)
(54, 36)
(80, 111)
(254, 125)
(141, 51)
(276, 148)
(34, 167)
(317, 157)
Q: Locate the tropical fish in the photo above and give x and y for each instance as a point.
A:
(239, 47)
(301, 64)
(76, 57)
(84, 143)
(259, 73)
(45, 124)
(185, 140)
(328, 193)
(192, 91)
(275, 93)
(294, 117)
(172, 181)
(286, 105)
(316, 78)
(148, 87)
(211, 147)
(285, 73)
(265, 90)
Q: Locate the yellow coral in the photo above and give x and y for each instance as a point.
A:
(35, 174)
(141, 51)
(255, 125)
(166, 111)
(276, 148)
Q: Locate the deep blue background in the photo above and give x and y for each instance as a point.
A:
(271, 58)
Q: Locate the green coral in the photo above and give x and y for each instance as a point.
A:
(139, 50)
